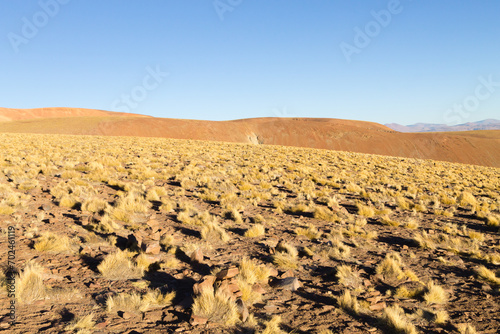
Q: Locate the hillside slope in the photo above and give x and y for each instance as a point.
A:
(477, 147)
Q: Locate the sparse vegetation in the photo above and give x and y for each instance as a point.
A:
(368, 235)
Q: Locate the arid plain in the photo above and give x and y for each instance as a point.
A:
(120, 231)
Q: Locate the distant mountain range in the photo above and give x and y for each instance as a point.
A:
(487, 124)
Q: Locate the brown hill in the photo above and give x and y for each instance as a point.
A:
(9, 114)
(477, 147)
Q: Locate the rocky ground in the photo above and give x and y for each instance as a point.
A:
(182, 257)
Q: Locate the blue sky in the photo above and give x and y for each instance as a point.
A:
(384, 61)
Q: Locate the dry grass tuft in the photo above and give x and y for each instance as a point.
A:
(435, 294)
(216, 307)
(127, 302)
(251, 272)
(390, 267)
(350, 304)
(395, 319)
(286, 256)
(83, 325)
(338, 250)
(50, 242)
(466, 329)
(273, 326)
(488, 275)
(365, 210)
(257, 230)
(155, 298)
(213, 231)
(29, 284)
(118, 266)
(347, 277)
(310, 232)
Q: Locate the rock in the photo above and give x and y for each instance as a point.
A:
(273, 272)
(196, 320)
(156, 236)
(46, 207)
(207, 283)
(151, 247)
(103, 324)
(229, 286)
(288, 273)
(378, 307)
(259, 289)
(153, 224)
(242, 309)
(197, 256)
(271, 308)
(288, 283)
(126, 315)
(228, 273)
(153, 316)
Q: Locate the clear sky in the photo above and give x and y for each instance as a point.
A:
(384, 61)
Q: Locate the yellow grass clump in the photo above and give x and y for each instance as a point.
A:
(256, 230)
(488, 275)
(390, 267)
(435, 294)
(213, 231)
(51, 242)
(216, 306)
(118, 266)
(251, 272)
(272, 326)
(310, 232)
(396, 320)
(29, 284)
(83, 325)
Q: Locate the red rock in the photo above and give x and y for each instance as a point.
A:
(197, 256)
(127, 315)
(102, 324)
(288, 273)
(151, 247)
(374, 300)
(153, 316)
(228, 273)
(155, 236)
(196, 320)
(153, 224)
(258, 288)
(378, 307)
(273, 272)
(229, 286)
(206, 283)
